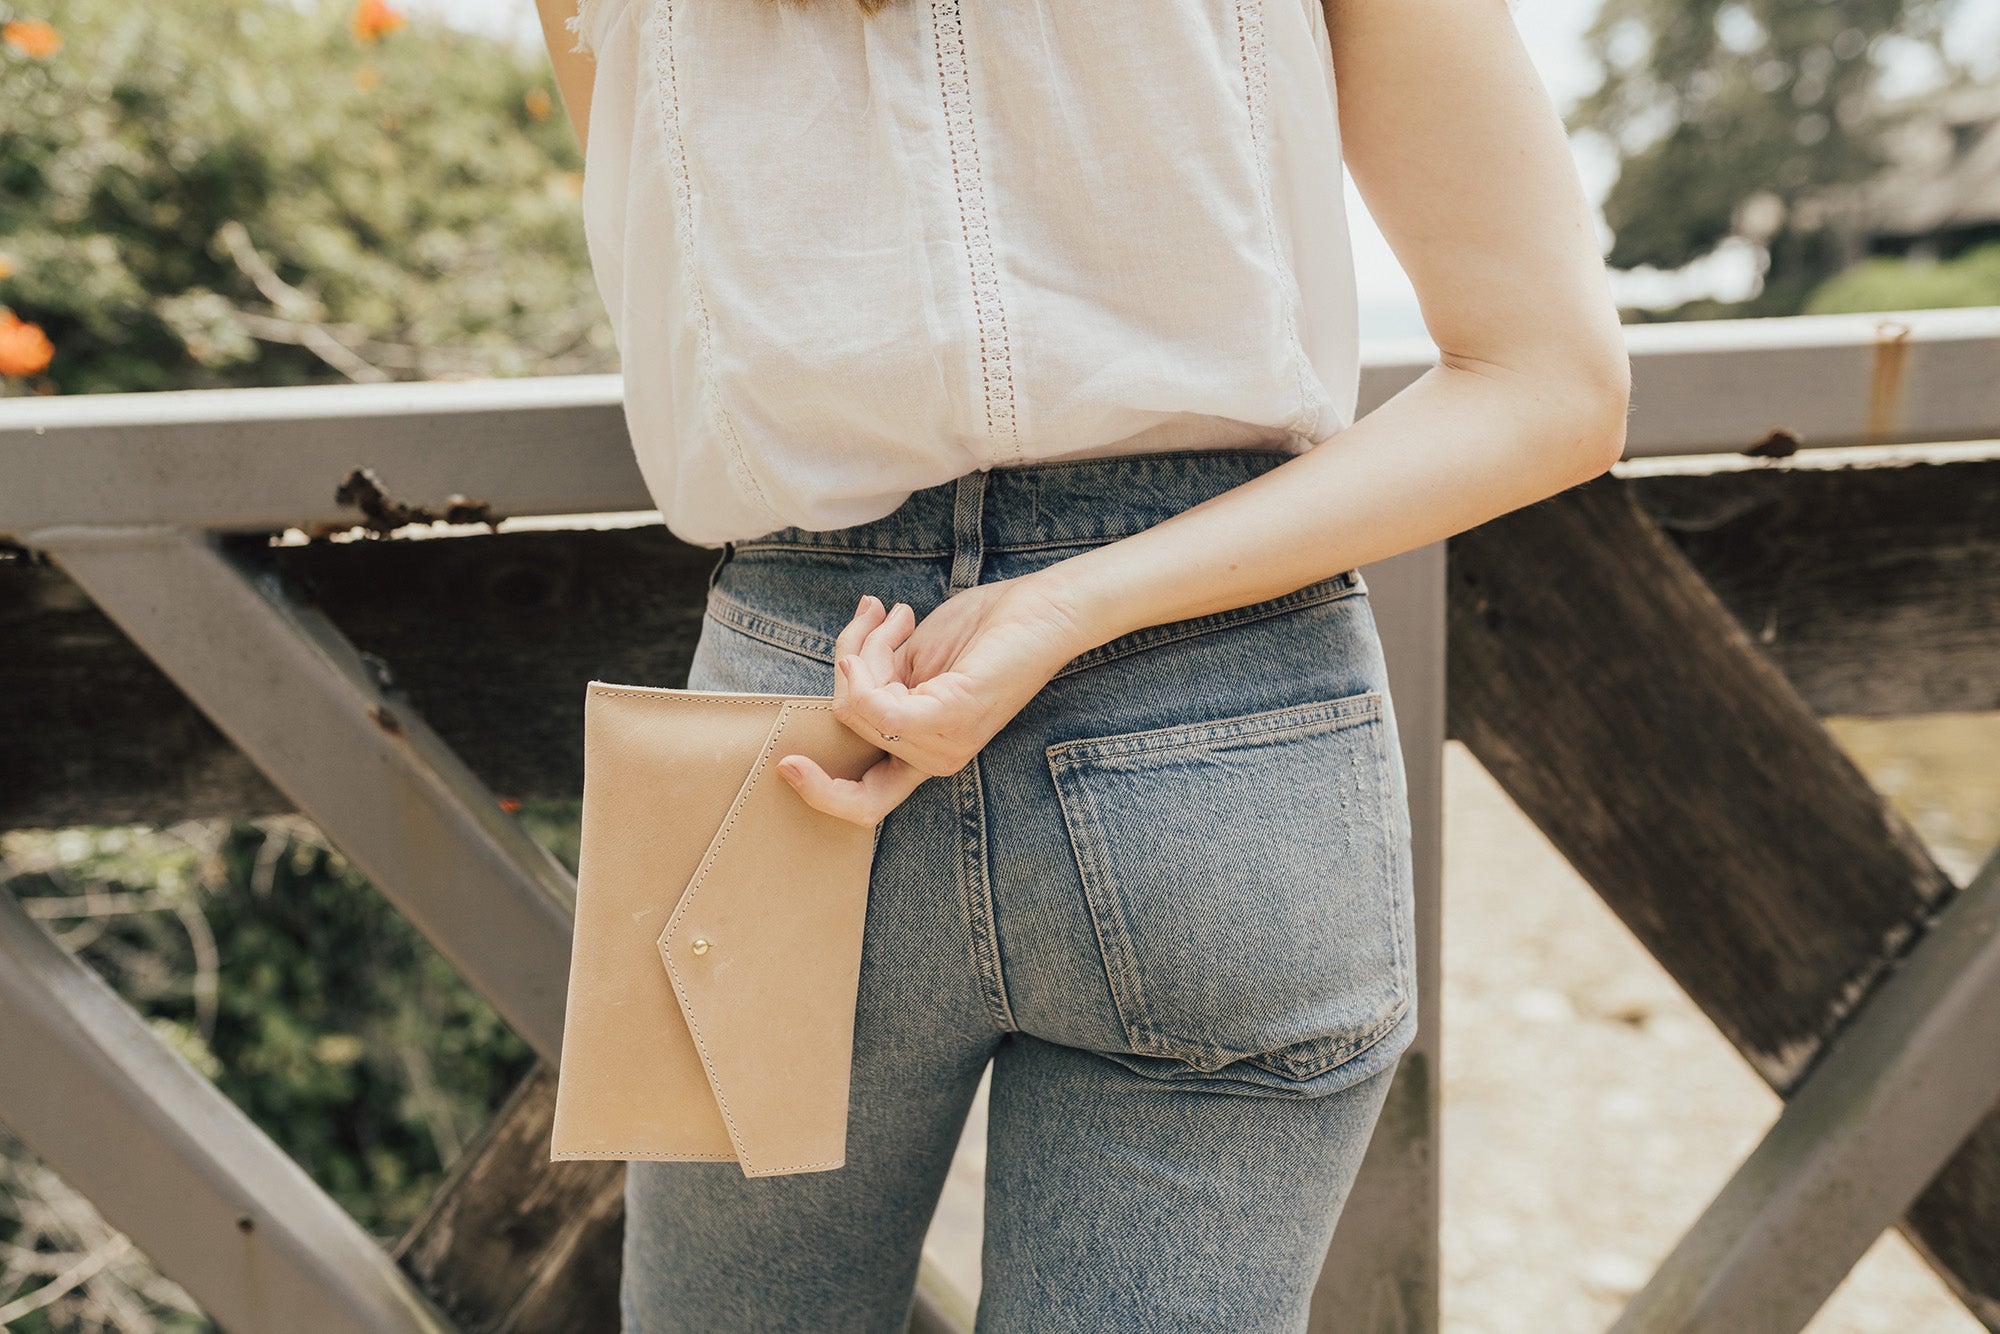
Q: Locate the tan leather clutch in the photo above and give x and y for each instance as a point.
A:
(710, 1014)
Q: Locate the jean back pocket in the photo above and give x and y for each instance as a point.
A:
(1248, 881)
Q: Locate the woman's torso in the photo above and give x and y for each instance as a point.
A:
(850, 256)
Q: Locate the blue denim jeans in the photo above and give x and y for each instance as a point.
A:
(1171, 903)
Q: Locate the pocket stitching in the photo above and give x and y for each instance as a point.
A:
(1118, 941)
(1392, 847)
(1405, 966)
(1261, 727)
(734, 615)
(1331, 589)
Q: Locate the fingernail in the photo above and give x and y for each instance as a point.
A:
(862, 605)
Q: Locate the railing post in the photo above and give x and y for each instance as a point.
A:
(1381, 1275)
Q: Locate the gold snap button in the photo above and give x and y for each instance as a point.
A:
(701, 947)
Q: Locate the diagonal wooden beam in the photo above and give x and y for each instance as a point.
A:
(1860, 1136)
(514, 1242)
(287, 687)
(1603, 684)
(174, 1164)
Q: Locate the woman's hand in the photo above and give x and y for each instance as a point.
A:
(934, 694)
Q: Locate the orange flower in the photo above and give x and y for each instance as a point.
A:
(538, 103)
(35, 38)
(373, 18)
(24, 348)
(510, 804)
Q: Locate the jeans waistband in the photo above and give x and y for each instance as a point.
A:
(1061, 502)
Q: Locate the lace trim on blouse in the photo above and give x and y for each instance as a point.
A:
(1256, 85)
(996, 360)
(583, 24)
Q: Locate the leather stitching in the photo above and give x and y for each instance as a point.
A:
(680, 910)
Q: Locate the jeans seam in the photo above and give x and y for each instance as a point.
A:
(1261, 727)
(1405, 968)
(976, 895)
(1326, 590)
(1113, 945)
(1345, 1050)
(769, 629)
(856, 548)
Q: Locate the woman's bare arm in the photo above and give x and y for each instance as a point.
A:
(575, 71)
(1462, 159)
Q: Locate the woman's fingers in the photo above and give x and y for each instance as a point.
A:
(875, 708)
(865, 619)
(867, 616)
(879, 645)
(863, 801)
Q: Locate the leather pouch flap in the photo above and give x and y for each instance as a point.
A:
(679, 796)
(764, 951)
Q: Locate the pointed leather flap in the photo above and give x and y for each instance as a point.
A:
(764, 952)
(662, 770)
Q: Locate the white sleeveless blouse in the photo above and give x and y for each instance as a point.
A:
(849, 256)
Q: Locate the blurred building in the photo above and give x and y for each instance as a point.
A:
(1938, 195)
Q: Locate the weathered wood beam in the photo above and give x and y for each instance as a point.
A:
(293, 694)
(490, 638)
(1877, 591)
(1603, 684)
(512, 1243)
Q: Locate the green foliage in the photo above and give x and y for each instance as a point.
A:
(1971, 279)
(1712, 102)
(199, 193)
(269, 962)
(215, 193)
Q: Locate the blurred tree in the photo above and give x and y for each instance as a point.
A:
(1726, 112)
(215, 193)
(199, 193)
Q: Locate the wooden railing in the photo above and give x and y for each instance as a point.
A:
(1641, 662)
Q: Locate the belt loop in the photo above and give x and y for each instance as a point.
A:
(967, 530)
(715, 571)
